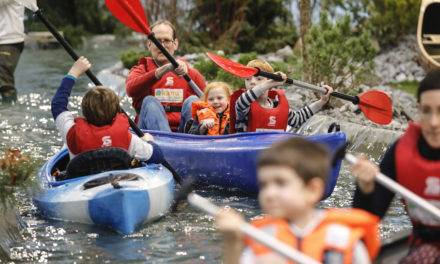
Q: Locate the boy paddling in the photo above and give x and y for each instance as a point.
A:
(292, 176)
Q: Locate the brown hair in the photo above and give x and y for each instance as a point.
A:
(213, 85)
(100, 106)
(308, 159)
(261, 64)
(165, 22)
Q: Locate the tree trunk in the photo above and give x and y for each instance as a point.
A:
(305, 21)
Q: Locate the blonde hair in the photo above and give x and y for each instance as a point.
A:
(261, 64)
(226, 88)
(165, 22)
(100, 105)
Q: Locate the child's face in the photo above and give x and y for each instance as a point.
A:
(253, 81)
(218, 99)
(283, 194)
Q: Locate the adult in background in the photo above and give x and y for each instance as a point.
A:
(161, 97)
(413, 161)
(11, 46)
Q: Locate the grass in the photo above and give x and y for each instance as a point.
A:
(406, 86)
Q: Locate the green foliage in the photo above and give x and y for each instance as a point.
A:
(406, 86)
(388, 20)
(16, 171)
(73, 34)
(131, 57)
(392, 19)
(337, 55)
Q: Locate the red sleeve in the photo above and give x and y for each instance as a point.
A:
(140, 80)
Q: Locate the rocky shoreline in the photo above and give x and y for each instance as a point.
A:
(395, 64)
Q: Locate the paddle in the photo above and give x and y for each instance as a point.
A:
(375, 105)
(269, 241)
(32, 5)
(389, 183)
(131, 13)
(397, 188)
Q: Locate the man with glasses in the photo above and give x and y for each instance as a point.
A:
(161, 97)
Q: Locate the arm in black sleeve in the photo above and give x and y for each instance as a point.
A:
(379, 200)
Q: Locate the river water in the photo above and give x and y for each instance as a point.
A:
(185, 236)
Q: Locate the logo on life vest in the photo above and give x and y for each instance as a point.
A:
(106, 141)
(170, 81)
(169, 95)
(272, 121)
(432, 186)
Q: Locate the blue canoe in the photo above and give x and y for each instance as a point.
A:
(230, 161)
(139, 195)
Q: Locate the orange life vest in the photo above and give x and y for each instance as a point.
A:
(339, 231)
(84, 136)
(203, 110)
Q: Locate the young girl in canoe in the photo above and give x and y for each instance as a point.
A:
(291, 176)
(260, 109)
(103, 124)
(211, 116)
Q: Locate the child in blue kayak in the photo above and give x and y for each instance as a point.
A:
(291, 176)
(260, 109)
(103, 124)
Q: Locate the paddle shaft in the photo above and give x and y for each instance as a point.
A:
(397, 188)
(253, 232)
(276, 77)
(95, 80)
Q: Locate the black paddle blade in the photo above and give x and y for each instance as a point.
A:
(339, 153)
(186, 188)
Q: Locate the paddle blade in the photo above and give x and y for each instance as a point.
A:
(131, 13)
(377, 107)
(232, 67)
(29, 4)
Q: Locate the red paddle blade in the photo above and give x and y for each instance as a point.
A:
(377, 107)
(232, 67)
(131, 13)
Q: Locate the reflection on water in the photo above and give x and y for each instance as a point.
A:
(186, 236)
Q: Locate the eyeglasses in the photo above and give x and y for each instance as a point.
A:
(166, 42)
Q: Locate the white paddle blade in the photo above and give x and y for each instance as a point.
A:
(29, 4)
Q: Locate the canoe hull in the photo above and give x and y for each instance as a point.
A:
(230, 161)
(123, 206)
(428, 34)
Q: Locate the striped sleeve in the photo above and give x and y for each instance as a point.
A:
(298, 117)
(243, 105)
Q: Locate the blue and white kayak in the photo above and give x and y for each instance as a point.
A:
(122, 200)
(230, 161)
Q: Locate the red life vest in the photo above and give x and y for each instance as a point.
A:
(339, 231)
(418, 174)
(84, 136)
(260, 118)
(203, 110)
(170, 90)
(232, 118)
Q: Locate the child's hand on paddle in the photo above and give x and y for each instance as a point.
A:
(325, 97)
(269, 83)
(365, 173)
(79, 67)
(208, 123)
(228, 223)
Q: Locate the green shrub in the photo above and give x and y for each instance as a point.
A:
(391, 19)
(131, 57)
(73, 34)
(406, 86)
(337, 54)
